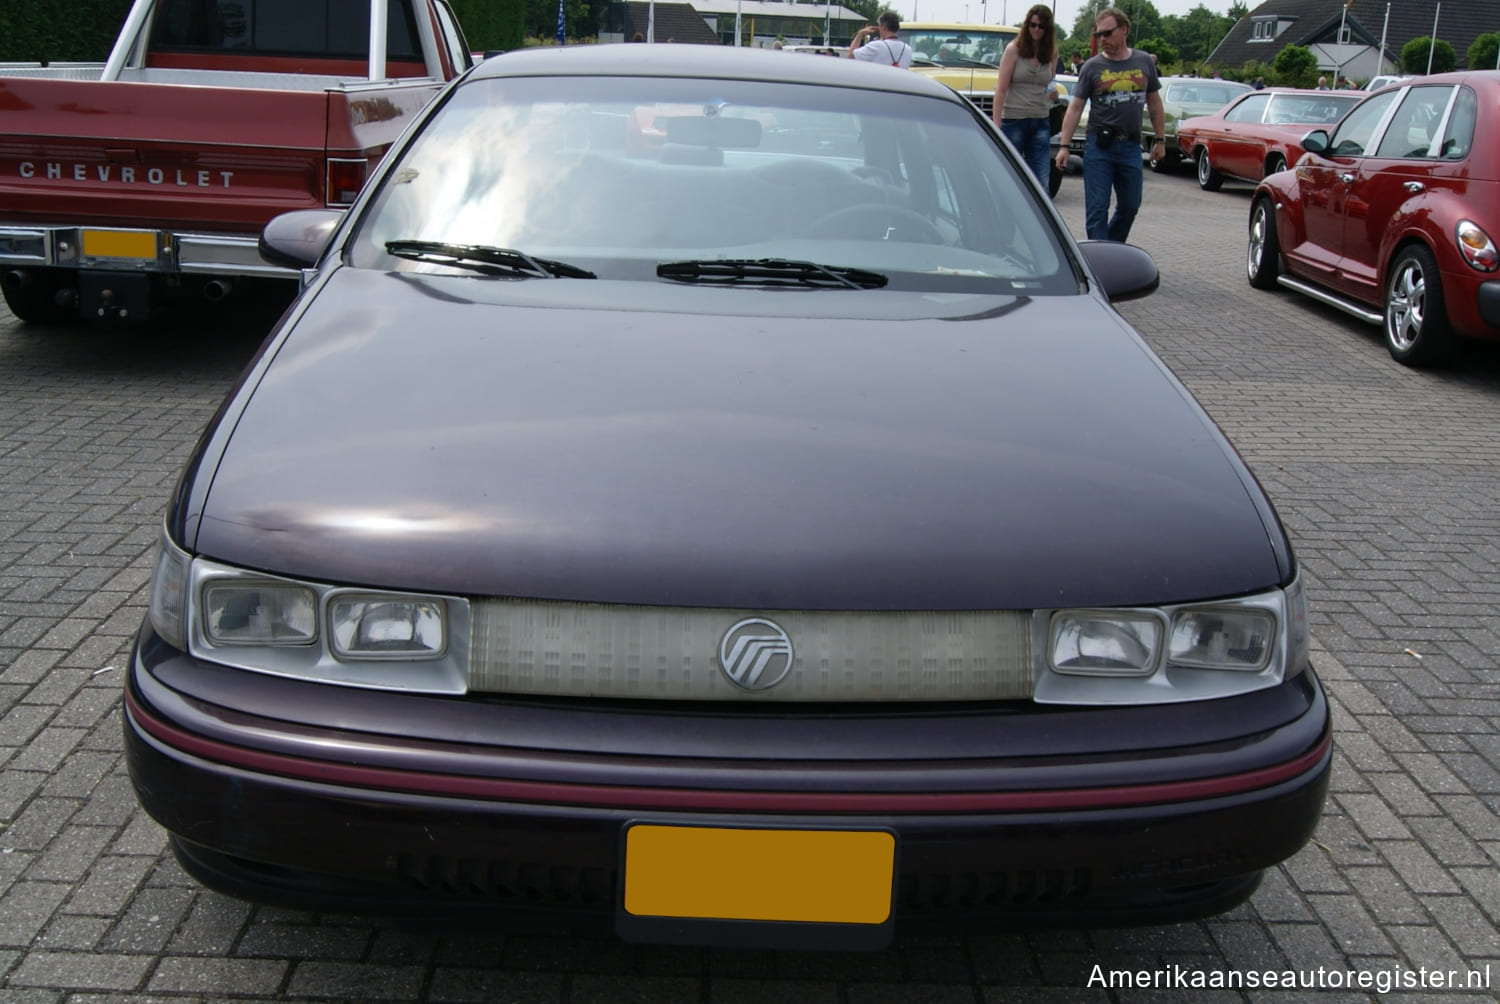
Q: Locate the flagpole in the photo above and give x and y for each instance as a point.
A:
(1433, 47)
(1383, 29)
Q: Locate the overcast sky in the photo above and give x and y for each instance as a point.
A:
(1011, 11)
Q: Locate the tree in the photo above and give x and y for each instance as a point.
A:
(1296, 66)
(1145, 22)
(496, 24)
(1166, 55)
(1414, 56)
(1484, 51)
(60, 30)
(1196, 34)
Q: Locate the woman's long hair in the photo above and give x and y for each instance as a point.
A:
(1043, 50)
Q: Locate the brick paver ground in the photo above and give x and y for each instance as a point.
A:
(1386, 478)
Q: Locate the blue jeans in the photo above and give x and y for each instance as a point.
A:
(1032, 139)
(1116, 169)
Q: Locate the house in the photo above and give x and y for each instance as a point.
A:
(763, 21)
(1346, 36)
(659, 22)
(706, 22)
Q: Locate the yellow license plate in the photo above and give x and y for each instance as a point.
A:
(827, 876)
(135, 244)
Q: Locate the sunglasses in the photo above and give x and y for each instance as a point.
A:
(1106, 32)
(1036, 24)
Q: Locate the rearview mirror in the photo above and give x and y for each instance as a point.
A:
(297, 239)
(1316, 141)
(718, 132)
(1124, 271)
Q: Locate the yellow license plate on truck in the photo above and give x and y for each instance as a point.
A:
(136, 244)
(818, 876)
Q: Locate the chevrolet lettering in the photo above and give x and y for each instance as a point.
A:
(127, 175)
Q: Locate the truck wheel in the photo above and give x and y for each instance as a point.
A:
(32, 297)
(1416, 322)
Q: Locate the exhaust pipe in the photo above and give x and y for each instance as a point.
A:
(215, 290)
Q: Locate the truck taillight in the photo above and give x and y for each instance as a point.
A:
(345, 178)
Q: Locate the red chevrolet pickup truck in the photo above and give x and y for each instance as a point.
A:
(150, 176)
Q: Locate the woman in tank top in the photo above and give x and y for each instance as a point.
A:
(1023, 94)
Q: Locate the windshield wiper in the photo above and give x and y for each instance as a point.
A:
(769, 271)
(486, 259)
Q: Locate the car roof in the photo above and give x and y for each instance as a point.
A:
(703, 62)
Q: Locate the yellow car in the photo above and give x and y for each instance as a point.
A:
(966, 57)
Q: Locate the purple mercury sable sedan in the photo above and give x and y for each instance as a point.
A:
(707, 507)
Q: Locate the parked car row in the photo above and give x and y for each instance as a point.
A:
(1258, 133)
(1392, 211)
(1391, 215)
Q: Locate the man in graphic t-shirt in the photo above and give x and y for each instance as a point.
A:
(888, 49)
(1117, 83)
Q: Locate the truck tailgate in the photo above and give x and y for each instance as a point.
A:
(225, 159)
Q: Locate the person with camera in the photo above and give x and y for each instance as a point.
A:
(1117, 84)
(888, 48)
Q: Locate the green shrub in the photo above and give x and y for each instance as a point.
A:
(1414, 56)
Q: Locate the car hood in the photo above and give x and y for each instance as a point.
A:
(744, 448)
(963, 79)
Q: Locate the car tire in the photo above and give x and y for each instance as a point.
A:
(1274, 164)
(1416, 321)
(1209, 179)
(32, 297)
(1263, 252)
(1162, 165)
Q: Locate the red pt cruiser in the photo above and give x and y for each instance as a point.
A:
(1390, 218)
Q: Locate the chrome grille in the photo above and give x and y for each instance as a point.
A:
(672, 653)
(984, 102)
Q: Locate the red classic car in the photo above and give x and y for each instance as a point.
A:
(1389, 218)
(1257, 134)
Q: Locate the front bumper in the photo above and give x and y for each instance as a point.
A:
(492, 807)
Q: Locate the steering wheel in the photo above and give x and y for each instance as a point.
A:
(874, 221)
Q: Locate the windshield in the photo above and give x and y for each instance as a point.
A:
(1310, 108)
(958, 46)
(616, 176)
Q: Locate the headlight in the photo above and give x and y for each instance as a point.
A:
(1105, 643)
(1180, 652)
(1226, 638)
(254, 612)
(1477, 248)
(309, 630)
(380, 627)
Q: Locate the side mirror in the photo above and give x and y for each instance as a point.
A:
(1316, 141)
(1124, 271)
(297, 239)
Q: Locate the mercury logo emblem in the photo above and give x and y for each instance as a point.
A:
(755, 654)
